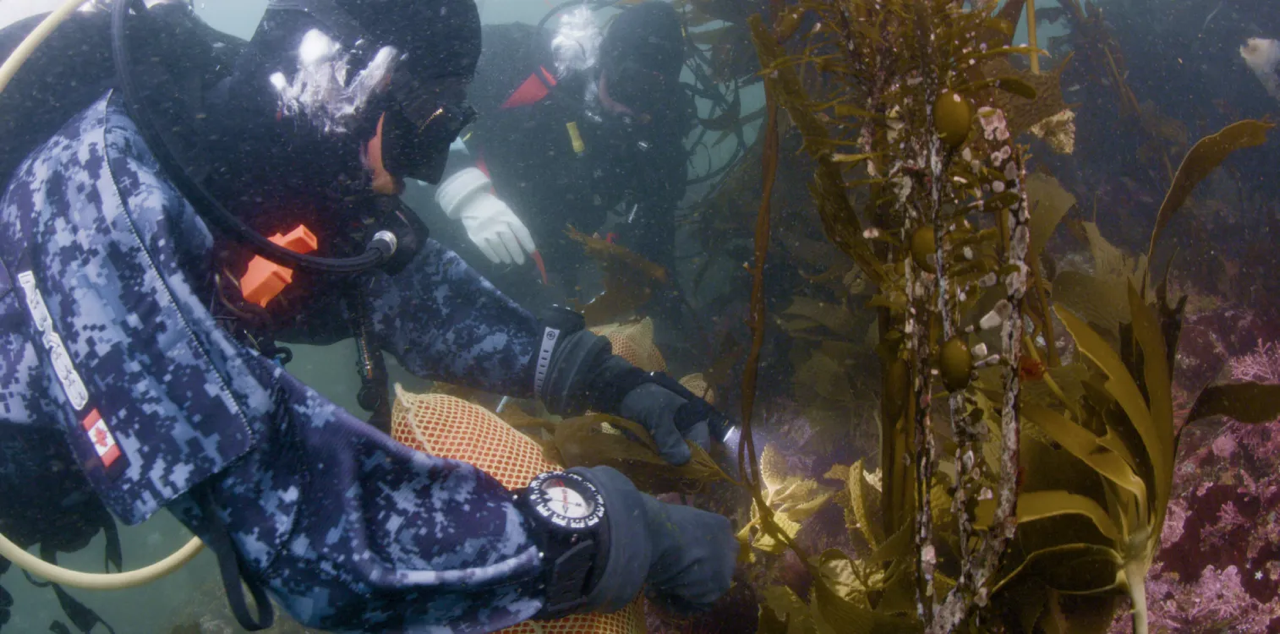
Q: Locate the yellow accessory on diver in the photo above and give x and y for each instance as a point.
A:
(576, 138)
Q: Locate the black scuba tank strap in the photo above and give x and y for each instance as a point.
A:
(231, 566)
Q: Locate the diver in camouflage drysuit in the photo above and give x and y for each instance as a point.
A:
(106, 335)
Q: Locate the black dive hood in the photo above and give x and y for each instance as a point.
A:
(377, 252)
(439, 43)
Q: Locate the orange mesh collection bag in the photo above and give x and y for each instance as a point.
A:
(634, 342)
(450, 427)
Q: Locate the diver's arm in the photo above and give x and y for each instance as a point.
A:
(651, 231)
(652, 234)
(467, 196)
(351, 530)
(442, 321)
(660, 177)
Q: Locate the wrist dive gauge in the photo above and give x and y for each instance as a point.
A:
(566, 501)
(569, 513)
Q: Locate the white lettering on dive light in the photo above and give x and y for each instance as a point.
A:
(544, 358)
(72, 385)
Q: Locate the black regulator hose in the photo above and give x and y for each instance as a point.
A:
(377, 252)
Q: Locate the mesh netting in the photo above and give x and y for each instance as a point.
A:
(634, 342)
(449, 427)
(697, 384)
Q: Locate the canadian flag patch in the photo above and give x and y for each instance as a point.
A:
(101, 437)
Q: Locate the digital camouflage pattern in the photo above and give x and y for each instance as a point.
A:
(349, 529)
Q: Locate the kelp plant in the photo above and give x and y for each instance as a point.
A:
(910, 111)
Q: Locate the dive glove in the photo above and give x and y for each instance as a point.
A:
(669, 417)
(682, 556)
(578, 372)
(489, 221)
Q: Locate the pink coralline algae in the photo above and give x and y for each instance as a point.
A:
(1210, 338)
(1260, 366)
(1218, 569)
(1215, 602)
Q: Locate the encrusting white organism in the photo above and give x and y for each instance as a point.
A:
(1263, 56)
(576, 46)
(320, 89)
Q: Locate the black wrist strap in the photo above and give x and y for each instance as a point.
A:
(576, 370)
(566, 358)
(574, 560)
(230, 565)
(567, 580)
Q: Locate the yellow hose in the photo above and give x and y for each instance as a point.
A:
(99, 581)
(34, 40)
(8, 549)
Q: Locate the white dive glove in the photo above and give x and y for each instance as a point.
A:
(490, 223)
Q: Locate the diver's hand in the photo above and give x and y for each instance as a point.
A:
(489, 221)
(693, 557)
(670, 419)
(494, 228)
(684, 557)
(582, 374)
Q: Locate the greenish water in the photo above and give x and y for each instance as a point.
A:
(329, 369)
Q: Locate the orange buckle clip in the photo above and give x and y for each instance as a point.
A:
(264, 279)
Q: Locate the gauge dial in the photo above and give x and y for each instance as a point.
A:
(567, 500)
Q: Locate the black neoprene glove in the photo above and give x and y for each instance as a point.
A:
(684, 557)
(582, 373)
(658, 410)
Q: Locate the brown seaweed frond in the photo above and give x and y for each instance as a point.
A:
(630, 280)
(945, 225)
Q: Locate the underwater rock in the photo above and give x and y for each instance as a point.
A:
(738, 611)
(1209, 338)
(1217, 569)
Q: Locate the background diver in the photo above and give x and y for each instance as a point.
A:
(572, 125)
(135, 342)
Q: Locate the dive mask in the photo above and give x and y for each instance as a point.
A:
(422, 120)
